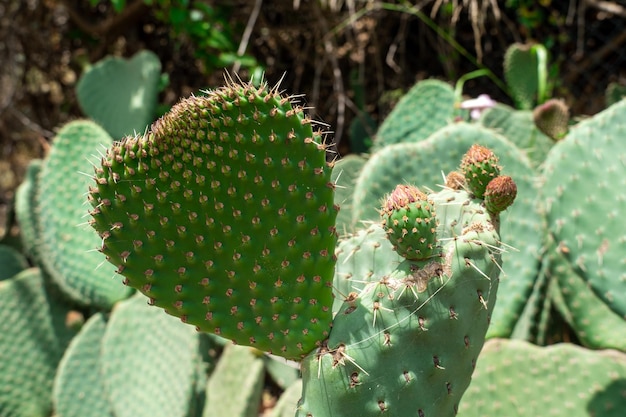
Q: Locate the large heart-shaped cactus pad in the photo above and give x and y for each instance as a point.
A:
(222, 214)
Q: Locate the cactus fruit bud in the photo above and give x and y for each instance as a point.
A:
(500, 194)
(479, 166)
(455, 180)
(409, 219)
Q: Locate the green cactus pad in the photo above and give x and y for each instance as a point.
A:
(78, 386)
(25, 205)
(34, 337)
(345, 174)
(425, 108)
(479, 166)
(518, 126)
(426, 163)
(67, 240)
(521, 74)
(12, 262)
(120, 94)
(367, 253)
(235, 386)
(585, 179)
(595, 324)
(409, 218)
(516, 378)
(223, 215)
(148, 362)
(288, 401)
(408, 342)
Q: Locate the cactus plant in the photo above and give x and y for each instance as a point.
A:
(514, 377)
(407, 343)
(196, 192)
(78, 386)
(143, 350)
(34, 337)
(12, 262)
(583, 181)
(423, 110)
(60, 218)
(180, 211)
(518, 126)
(119, 94)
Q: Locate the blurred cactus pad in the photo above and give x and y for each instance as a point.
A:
(223, 215)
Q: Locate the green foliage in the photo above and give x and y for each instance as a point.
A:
(209, 29)
(121, 95)
(405, 335)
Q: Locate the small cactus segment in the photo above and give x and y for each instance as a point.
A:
(223, 215)
(25, 206)
(34, 337)
(500, 194)
(584, 188)
(521, 72)
(552, 118)
(60, 218)
(425, 108)
(288, 401)
(365, 254)
(143, 351)
(12, 262)
(236, 385)
(409, 218)
(480, 166)
(121, 94)
(516, 378)
(345, 173)
(78, 386)
(408, 342)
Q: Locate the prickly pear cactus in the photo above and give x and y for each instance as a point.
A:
(585, 179)
(223, 215)
(514, 377)
(426, 161)
(519, 127)
(425, 108)
(407, 342)
(121, 94)
(61, 221)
